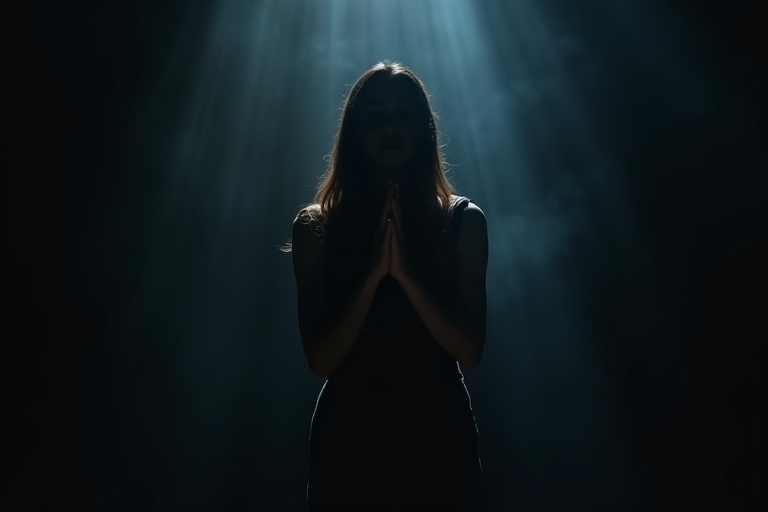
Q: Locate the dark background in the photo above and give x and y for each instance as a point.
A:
(83, 424)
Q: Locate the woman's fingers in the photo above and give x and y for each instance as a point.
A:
(396, 213)
(386, 246)
(382, 251)
(386, 212)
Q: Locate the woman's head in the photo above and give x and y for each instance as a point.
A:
(390, 121)
(387, 132)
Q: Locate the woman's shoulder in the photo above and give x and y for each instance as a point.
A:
(464, 214)
(311, 213)
(310, 221)
(458, 204)
(464, 203)
(457, 201)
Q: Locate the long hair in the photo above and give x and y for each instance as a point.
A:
(343, 189)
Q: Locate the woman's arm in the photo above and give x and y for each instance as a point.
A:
(460, 331)
(326, 341)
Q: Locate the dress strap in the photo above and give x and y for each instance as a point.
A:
(457, 208)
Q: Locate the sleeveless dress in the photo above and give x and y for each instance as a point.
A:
(393, 427)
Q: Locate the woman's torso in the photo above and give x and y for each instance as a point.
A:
(397, 382)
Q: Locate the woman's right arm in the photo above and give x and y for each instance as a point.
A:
(326, 341)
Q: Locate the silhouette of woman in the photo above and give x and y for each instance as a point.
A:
(390, 270)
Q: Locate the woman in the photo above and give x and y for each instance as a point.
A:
(390, 271)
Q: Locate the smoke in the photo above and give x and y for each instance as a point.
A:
(530, 241)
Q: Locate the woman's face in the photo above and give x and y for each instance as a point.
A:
(389, 124)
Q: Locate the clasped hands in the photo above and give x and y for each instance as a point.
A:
(389, 249)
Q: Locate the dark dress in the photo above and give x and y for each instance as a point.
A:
(393, 427)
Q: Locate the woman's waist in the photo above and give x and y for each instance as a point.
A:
(357, 377)
(394, 427)
(385, 401)
(400, 356)
(394, 415)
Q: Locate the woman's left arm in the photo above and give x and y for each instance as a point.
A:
(460, 330)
